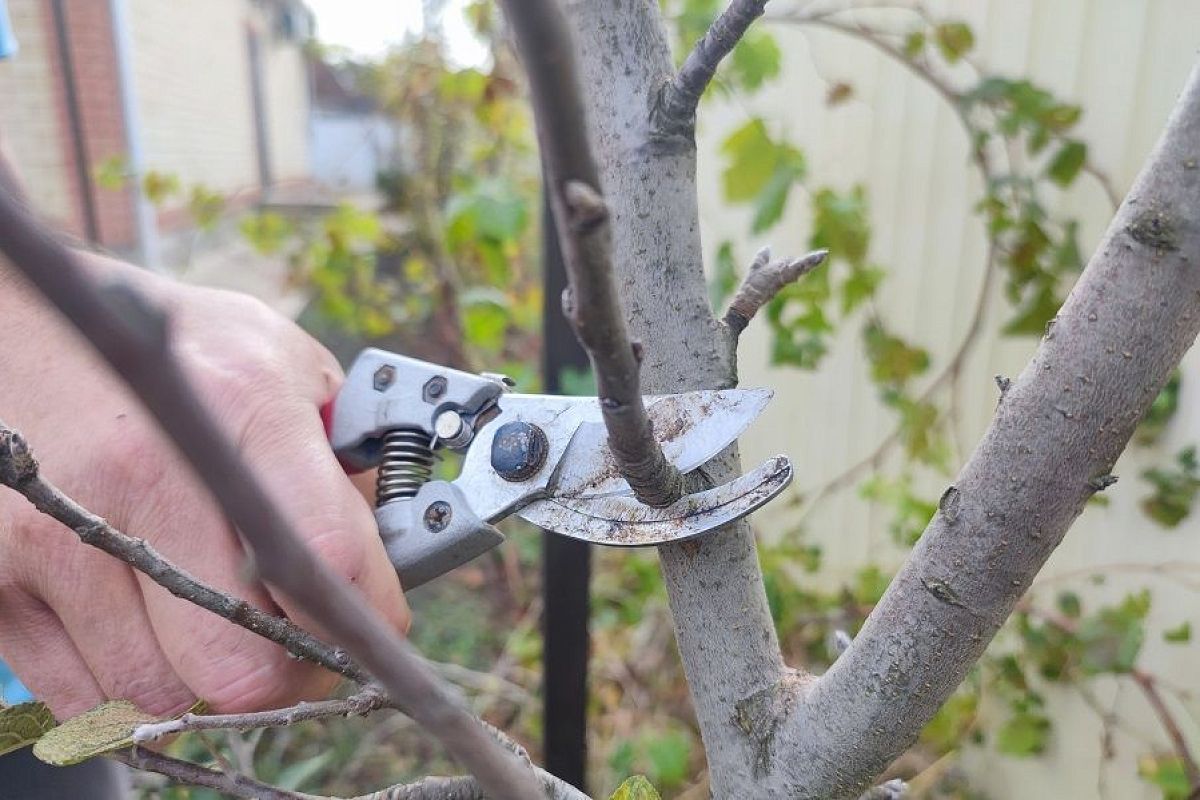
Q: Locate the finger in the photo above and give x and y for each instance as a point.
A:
(35, 644)
(286, 445)
(101, 606)
(231, 668)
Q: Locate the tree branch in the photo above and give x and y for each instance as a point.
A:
(582, 219)
(19, 471)
(187, 773)
(1147, 683)
(132, 336)
(675, 110)
(765, 280)
(359, 704)
(1060, 426)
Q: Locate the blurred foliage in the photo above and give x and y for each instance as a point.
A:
(1175, 488)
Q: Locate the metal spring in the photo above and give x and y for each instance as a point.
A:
(406, 465)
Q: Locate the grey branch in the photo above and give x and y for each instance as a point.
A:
(764, 280)
(132, 335)
(189, 774)
(360, 704)
(19, 471)
(1130, 318)
(582, 220)
(675, 112)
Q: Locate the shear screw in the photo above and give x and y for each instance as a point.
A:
(519, 450)
(437, 516)
(384, 377)
(435, 387)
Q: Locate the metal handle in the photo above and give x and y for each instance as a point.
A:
(432, 533)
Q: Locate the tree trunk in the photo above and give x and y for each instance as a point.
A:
(722, 623)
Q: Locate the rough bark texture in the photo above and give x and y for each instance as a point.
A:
(722, 622)
(1057, 432)
(771, 732)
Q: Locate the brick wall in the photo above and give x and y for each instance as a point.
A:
(29, 116)
(90, 36)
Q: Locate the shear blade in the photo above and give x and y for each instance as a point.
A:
(621, 521)
(691, 428)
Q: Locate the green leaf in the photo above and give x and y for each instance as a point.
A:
(205, 207)
(1067, 162)
(1168, 774)
(159, 186)
(485, 318)
(1181, 634)
(755, 60)
(914, 43)
(768, 207)
(954, 40)
(635, 788)
(860, 286)
(1070, 605)
(1112, 638)
(111, 173)
(23, 724)
(267, 232)
(840, 224)
(753, 159)
(1033, 315)
(669, 755)
(1024, 734)
(725, 278)
(105, 728)
(893, 361)
(949, 727)
(1175, 489)
(1161, 411)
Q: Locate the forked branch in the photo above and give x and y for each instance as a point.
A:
(591, 302)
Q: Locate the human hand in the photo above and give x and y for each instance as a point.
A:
(78, 626)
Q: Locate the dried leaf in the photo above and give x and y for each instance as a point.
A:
(22, 725)
(105, 728)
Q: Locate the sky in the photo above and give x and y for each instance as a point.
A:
(369, 27)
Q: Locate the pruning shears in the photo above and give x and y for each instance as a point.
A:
(544, 458)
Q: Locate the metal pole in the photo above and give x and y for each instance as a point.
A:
(83, 166)
(566, 564)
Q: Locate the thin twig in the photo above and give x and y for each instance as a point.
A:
(19, 471)
(1146, 682)
(591, 302)
(359, 704)
(132, 335)
(675, 111)
(187, 773)
(764, 280)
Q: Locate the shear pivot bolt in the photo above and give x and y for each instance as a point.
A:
(437, 516)
(519, 450)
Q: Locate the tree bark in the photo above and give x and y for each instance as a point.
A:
(772, 732)
(722, 623)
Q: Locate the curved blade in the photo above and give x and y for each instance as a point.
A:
(622, 521)
(691, 428)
